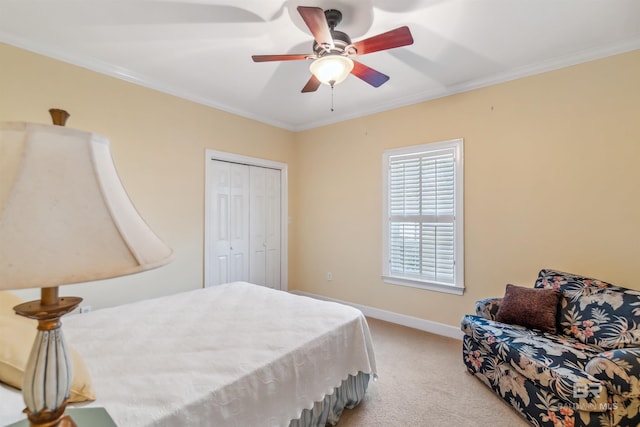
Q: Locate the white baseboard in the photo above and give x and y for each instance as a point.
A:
(400, 319)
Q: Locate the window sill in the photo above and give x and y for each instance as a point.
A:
(429, 286)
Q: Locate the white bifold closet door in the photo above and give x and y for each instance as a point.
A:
(264, 227)
(245, 228)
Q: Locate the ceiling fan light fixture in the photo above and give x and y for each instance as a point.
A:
(331, 69)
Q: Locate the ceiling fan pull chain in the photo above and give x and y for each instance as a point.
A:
(331, 97)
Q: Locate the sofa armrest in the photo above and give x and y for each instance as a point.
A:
(488, 307)
(619, 370)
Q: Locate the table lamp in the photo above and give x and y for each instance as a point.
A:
(64, 218)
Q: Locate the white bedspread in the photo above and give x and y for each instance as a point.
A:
(231, 355)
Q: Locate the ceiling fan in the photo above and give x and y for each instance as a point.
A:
(333, 51)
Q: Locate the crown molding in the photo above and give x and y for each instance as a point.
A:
(145, 81)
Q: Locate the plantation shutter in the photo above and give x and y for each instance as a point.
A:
(422, 216)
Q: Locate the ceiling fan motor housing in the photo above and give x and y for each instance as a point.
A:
(341, 42)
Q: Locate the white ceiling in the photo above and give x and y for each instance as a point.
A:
(201, 50)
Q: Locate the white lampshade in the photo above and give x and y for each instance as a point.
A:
(331, 69)
(64, 214)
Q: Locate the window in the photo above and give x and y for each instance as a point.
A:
(423, 225)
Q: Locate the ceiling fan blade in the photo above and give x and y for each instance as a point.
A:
(389, 40)
(368, 74)
(266, 58)
(312, 85)
(317, 23)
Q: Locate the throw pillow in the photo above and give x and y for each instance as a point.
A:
(529, 307)
(16, 339)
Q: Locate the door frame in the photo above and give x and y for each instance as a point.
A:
(284, 207)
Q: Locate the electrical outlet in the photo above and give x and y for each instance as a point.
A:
(85, 309)
(329, 276)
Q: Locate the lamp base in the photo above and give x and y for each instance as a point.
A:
(82, 417)
(64, 421)
(47, 376)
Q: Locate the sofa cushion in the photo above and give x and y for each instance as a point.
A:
(619, 370)
(529, 307)
(593, 311)
(554, 362)
(488, 307)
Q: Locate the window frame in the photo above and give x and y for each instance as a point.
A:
(457, 287)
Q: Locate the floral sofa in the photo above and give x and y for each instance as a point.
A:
(579, 366)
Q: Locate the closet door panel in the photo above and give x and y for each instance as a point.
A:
(230, 210)
(257, 226)
(239, 223)
(219, 234)
(272, 228)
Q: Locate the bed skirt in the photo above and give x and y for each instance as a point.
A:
(328, 411)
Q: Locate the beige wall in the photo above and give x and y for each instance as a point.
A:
(158, 144)
(552, 176)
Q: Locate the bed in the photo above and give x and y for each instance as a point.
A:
(230, 355)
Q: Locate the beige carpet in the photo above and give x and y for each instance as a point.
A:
(423, 383)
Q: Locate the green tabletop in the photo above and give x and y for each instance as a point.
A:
(83, 417)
